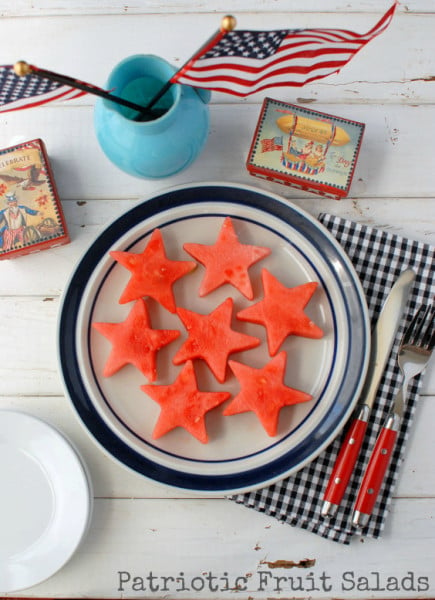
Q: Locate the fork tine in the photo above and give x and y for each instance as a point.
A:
(420, 332)
(428, 340)
(414, 328)
(426, 328)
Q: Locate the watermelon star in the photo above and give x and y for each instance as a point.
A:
(135, 342)
(281, 311)
(183, 405)
(263, 392)
(153, 274)
(226, 261)
(212, 339)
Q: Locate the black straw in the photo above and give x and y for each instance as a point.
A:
(23, 68)
(227, 24)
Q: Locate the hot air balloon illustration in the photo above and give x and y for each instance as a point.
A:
(304, 148)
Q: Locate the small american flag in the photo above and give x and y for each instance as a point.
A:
(24, 92)
(268, 145)
(245, 62)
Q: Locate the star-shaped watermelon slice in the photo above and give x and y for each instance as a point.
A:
(281, 311)
(135, 342)
(183, 405)
(153, 273)
(227, 261)
(264, 392)
(211, 338)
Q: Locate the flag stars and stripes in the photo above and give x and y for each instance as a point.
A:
(22, 92)
(245, 62)
(14, 87)
(235, 62)
(247, 43)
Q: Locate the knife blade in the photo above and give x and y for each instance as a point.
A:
(382, 339)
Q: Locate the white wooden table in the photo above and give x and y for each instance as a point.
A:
(139, 528)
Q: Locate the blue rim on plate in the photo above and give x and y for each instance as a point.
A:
(251, 205)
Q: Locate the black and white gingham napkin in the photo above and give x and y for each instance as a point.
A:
(378, 257)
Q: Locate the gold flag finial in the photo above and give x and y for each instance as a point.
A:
(21, 68)
(228, 23)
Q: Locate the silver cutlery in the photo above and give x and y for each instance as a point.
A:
(381, 343)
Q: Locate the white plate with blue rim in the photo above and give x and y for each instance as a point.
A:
(239, 456)
(45, 502)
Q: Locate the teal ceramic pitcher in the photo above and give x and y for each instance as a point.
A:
(165, 143)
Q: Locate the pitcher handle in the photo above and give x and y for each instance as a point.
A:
(204, 94)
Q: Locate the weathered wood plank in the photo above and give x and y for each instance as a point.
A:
(393, 162)
(22, 8)
(223, 550)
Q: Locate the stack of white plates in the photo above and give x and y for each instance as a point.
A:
(45, 501)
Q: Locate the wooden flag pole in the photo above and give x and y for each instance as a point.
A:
(22, 69)
(228, 23)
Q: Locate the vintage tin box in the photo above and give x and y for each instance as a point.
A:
(31, 216)
(305, 149)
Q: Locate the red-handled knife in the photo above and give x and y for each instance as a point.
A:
(381, 343)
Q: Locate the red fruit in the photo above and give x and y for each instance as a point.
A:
(227, 261)
(153, 274)
(183, 405)
(134, 342)
(212, 339)
(263, 391)
(281, 311)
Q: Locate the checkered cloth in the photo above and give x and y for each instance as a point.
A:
(378, 257)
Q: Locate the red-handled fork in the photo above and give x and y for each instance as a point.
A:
(414, 354)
